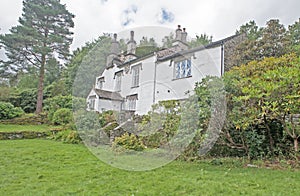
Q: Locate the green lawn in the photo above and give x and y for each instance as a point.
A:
(45, 167)
(19, 128)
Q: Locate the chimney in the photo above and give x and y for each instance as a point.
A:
(180, 40)
(115, 46)
(178, 33)
(114, 51)
(131, 45)
(183, 36)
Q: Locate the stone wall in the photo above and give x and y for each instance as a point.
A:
(229, 50)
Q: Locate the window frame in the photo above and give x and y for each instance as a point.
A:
(132, 102)
(135, 71)
(100, 83)
(118, 81)
(182, 68)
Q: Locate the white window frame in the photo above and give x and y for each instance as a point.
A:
(92, 104)
(118, 81)
(100, 83)
(132, 102)
(135, 70)
(183, 69)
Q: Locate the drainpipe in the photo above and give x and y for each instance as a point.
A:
(222, 59)
(154, 78)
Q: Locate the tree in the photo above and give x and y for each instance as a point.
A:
(146, 46)
(43, 34)
(168, 40)
(294, 37)
(269, 41)
(201, 40)
(86, 64)
(273, 42)
(266, 91)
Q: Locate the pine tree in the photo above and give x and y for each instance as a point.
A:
(43, 34)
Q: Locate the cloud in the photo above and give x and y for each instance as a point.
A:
(165, 16)
(217, 18)
(128, 15)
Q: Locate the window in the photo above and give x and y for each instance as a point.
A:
(132, 102)
(91, 104)
(183, 69)
(100, 82)
(118, 82)
(135, 76)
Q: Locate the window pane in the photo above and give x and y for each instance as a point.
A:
(189, 68)
(135, 76)
(183, 67)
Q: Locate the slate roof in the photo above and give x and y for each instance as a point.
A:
(108, 95)
(172, 52)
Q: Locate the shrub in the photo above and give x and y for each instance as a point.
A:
(26, 99)
(68, 136)
(62, 116)
(130, 142)
(8, 111)
(69, 102)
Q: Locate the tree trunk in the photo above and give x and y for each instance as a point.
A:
(271, 140)
(39, 103)
(296, 147)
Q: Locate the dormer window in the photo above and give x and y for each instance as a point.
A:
(183, 69)
(118, 80)
(100, 82)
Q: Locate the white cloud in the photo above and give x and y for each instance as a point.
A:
(215, 17)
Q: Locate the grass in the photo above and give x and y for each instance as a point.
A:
(19, 128)
(45, 167)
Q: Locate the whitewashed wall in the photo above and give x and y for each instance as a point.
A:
(205, 62)
(166, 87)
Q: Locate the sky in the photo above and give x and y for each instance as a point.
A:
(219, 18)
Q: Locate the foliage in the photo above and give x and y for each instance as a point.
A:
(130, 142)
(28, 119)
(201, 40)
(86, 121)
(161, 124)
(67, 136)
(168, 40)
(69, 102)
(62, 116)
(294, 37)
(24, 98)
(43, 34)
(107, 117)
(269, 41)
(146, 47)
(263, 92)
(87, 63)
(5, 93)
(8, 111)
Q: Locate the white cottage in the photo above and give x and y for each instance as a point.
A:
(134, 84)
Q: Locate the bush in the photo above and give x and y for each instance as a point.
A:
(130, 142)
(68, 136)
(69, 102)
(8, 111)
(62, 116)
(26, 99)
